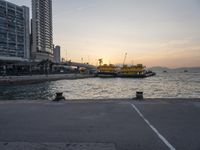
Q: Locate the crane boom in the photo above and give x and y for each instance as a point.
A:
(124, 59)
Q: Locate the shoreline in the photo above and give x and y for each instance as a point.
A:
(15, 80)
(105, 100)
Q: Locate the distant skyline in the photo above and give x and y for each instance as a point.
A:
(154, 33)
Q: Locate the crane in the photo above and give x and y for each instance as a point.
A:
(124, 59)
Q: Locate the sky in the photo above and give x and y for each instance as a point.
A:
(151, 32)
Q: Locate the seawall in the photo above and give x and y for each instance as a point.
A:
(9, 80)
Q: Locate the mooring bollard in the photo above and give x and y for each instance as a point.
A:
(59, 97)
(139, 96)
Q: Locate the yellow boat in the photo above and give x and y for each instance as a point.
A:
(134, 71)
(138, 71)
(107, 70)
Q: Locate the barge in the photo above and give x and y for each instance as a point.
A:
(134, 71)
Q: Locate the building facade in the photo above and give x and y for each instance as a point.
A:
(56, 54)
(42, 38)
(14, 32)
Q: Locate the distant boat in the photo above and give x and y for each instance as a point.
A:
(165, 71)
(134, 71)
(185, 70)
(138, 71)
(107, 71)
(110, 71)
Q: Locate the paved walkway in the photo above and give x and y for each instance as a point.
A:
(113, 124)
(7, 80)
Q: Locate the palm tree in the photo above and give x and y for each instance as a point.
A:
(100, 61)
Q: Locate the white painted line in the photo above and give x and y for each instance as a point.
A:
(153, 128)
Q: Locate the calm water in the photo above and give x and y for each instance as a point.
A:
(164, 85)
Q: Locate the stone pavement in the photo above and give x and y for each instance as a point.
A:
(56, 146)
(111, 124)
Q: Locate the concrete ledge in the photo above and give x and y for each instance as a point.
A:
(9, 80)
(97, 101)
(56, 146)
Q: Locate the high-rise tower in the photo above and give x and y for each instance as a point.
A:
(42, 39)
(14, 32)
(56, 54)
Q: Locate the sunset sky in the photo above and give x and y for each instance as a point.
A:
(152, 32)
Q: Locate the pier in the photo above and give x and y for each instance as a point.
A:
(120, 124)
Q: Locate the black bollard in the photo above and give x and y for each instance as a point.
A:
(59, 97)
(139, 96)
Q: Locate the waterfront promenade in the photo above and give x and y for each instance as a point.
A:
(155, 124)
(7, 80)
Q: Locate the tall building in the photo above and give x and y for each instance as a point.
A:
(56, 54)
(42, 39)
(14, 32)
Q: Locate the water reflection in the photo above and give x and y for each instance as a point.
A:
(170, 85)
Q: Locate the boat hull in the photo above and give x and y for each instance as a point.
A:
(137, 75)
(106, 75)
(114, 75)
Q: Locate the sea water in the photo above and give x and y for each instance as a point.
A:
(163, 85)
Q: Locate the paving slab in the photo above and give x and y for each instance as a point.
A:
(56, 146)
(177, 121)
